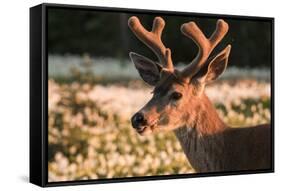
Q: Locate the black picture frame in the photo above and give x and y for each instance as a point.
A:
(39, 95)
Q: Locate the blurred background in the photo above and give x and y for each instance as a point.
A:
(93, 90)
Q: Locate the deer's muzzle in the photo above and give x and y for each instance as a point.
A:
(138, 121)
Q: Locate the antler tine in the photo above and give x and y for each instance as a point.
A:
(206, 45)
(219, 33)
(153, 39)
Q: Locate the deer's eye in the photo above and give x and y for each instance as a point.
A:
(176, 95)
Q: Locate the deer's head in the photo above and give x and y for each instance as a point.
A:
(176, 94)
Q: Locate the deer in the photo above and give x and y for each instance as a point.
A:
(180, 105)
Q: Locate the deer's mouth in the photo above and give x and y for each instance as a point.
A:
(147, 128)
(141, 130)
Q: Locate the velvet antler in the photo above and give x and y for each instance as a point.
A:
(205, 45)
(153, 40)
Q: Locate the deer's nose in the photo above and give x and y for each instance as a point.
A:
(138, 120)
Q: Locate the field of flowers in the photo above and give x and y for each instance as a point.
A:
(90, 135)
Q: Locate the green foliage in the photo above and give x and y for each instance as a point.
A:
(105, 34)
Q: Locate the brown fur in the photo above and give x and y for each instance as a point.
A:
(208, 143)
(211, 146)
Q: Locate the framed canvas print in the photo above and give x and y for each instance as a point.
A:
(128, 95)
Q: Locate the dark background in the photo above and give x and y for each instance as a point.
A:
(106, 34)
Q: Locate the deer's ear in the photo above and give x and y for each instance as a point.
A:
(148, 69)
(215, 67)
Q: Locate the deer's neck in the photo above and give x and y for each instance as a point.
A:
(202, 139)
